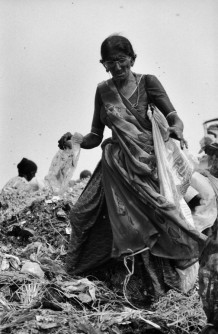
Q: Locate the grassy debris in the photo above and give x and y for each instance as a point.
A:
(38, 230)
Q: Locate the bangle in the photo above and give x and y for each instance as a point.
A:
(172, 112)
(96, 134)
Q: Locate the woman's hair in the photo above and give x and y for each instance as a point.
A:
(118, 43)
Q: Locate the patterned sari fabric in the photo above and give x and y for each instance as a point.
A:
(122, 211)
(140, 216)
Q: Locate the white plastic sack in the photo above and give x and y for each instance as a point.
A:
(188, 277)
(62, 168)
(32, 268)
(174, 168)
(174, 171)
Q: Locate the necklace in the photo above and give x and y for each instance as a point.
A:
(134, 105)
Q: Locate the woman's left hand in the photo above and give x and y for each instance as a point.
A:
(78, 138)
(177, 133)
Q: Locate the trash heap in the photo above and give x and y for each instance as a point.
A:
(38, 296)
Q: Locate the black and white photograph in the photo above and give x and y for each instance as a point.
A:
(109, 166)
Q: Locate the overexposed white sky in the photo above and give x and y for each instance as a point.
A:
(49, 68)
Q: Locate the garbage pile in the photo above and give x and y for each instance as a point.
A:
(38, 296)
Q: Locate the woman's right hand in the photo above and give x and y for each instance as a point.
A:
(62, 143)
(177, 133)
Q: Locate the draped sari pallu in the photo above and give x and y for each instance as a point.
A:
(143, 213)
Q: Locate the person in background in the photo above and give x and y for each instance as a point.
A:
(209, 161)
(208, 282)
(208, 271)
(85, 174)
(26, 172)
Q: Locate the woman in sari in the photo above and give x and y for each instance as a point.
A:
(122, 212)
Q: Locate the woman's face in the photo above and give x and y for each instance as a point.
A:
(118, 64)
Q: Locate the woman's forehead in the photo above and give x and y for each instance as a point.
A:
(115, 54)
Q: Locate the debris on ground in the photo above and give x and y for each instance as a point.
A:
(38, 296)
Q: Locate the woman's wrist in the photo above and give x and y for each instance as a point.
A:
(171, 113)
(174, 121)
(91, 140)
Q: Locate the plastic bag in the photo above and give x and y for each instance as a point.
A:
(62, 168)
(32, 268)
(174, 168)
(188, 277)
(175, 172)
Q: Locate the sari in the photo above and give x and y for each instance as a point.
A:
(122, 211)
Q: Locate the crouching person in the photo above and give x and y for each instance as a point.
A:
(24, 181)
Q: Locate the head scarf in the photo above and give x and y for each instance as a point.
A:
(26, 166)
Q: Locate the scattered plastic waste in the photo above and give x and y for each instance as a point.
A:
(32, 268)
(62, 168)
